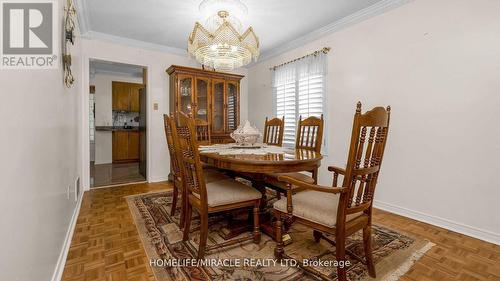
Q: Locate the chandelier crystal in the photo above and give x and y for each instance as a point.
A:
(220, 45)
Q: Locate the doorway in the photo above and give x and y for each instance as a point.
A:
(117, 123)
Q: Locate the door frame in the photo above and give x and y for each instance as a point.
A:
(85, 124)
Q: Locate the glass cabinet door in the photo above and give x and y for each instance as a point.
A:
(185, 93)
(232, 110)
(218, 106)
(202, 86)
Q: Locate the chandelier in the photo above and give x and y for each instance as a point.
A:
(219, 44)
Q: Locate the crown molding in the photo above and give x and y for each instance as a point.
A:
(134, 43)
(357, 17)
(86, 32)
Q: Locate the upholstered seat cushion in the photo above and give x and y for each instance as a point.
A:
(315, 206)
(230, 191)
(272, 178)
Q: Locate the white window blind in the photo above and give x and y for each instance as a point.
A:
(286, 106)
(299, 90)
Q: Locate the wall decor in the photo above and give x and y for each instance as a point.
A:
(68, 41)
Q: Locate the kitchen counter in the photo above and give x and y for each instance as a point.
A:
(115, 128)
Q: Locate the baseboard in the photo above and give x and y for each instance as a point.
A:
(481, 234)
(159, 179)
(58, 272)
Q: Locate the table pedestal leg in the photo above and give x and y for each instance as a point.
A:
(236, 227)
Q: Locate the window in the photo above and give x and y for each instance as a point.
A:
(299, 90)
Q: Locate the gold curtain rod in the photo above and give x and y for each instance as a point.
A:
(325, 50)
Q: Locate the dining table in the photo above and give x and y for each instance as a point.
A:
(253, 163)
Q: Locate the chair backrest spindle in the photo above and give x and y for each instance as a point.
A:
(168, 122)
(186, 144)
(310, 133)
(274, 131)
(368, 140)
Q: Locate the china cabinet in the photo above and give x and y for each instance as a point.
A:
(208, 95)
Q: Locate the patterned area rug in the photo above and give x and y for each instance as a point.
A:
(172, 259)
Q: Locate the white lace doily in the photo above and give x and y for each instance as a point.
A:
(233, 149)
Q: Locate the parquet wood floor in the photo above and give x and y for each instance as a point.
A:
(106, 245)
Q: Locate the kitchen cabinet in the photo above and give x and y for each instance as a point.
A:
(121, 96)
(126, 96)
(133, 145)
(134, 98)
(126, 146)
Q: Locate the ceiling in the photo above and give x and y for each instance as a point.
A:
(168, 23)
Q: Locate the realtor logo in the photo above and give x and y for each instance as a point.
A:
(28, 34)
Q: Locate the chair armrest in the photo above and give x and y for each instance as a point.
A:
(304, 185)
(336, 172)
(336, 169)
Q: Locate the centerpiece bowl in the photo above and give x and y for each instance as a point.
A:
(245, 135)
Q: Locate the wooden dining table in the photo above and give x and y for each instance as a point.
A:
(254, 168)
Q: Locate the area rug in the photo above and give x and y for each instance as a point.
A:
(172, 259)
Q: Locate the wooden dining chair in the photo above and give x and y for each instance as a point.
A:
(274, 131)
(310, 133)
(203, 132)
(175, 169)
(211, 175)
(309, 137)
(341, 211)
(214, 197)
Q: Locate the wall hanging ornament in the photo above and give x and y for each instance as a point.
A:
(68, 41)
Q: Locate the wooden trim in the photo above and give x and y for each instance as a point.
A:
(192, 70)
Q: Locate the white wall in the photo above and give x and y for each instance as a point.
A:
(40, 148)
(104, 112)
(437, 63)
(157, 92)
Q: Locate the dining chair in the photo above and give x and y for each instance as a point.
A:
(175, 169)
(203, 132)
(207, 198)
(211, 175)
(274, 131)
(341, 211)
(309, 137)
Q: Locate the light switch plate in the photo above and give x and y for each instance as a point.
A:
(155, 106)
